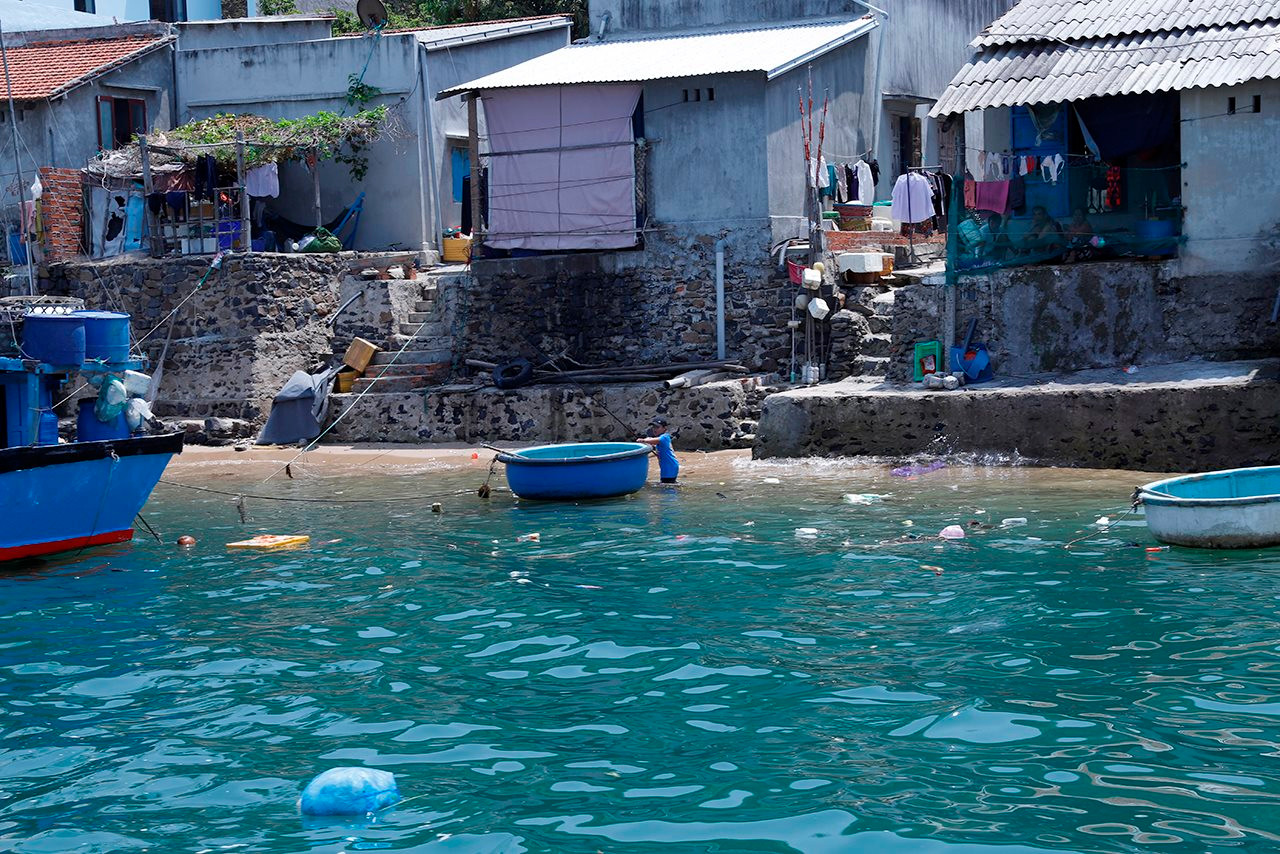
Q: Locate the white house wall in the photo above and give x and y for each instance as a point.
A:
(845, 75)
(708, 158)
(294, 80)
(1231, 182)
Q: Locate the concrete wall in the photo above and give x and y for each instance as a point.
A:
(1231, 185)
(242, 32)
(708, 165)
(847, 74)
(628, 16)
(1100, 315)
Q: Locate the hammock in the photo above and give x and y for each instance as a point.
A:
(284, 227)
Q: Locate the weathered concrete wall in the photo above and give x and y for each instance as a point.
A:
(649, 306)
(1179, 418)
(235, 342)
(1231, 194)
(242, 32)
(1074, 317)
(710, 417)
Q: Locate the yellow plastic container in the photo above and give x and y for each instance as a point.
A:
(272, 541)
(345, 380)
(457, 250)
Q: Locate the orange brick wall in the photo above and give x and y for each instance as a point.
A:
(62, 203)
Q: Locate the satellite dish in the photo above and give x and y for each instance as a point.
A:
(371, 13)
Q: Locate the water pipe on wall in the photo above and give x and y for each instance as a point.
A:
(720, 299)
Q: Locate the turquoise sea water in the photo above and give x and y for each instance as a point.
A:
(679, 671)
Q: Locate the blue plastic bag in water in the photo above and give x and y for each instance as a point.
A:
(349, 791)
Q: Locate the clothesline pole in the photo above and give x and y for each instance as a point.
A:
(246, 243)
(315, 186)
(473, 155)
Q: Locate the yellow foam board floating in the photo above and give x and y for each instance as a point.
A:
(271, 541)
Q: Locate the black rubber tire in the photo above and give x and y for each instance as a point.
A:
(513, 374)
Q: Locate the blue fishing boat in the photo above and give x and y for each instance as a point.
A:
(59, 496)
(1231, 509)
(577, 471)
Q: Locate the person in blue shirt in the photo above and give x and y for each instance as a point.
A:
(660, 439)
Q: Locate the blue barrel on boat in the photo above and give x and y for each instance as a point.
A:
(57, 339)
(90, 429)
(106, 335)
(47, 433)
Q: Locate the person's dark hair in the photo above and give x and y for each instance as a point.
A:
(1040, 209)
(658, 422)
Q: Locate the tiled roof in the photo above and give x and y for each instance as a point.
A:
(1048, 20)
(46, 69)
(771, 50)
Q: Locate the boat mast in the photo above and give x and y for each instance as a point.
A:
(17, 164)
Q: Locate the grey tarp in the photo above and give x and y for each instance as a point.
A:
(299, 409)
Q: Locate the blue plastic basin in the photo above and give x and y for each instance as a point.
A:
(582, 470)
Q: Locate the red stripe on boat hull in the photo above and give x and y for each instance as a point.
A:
(34, 549)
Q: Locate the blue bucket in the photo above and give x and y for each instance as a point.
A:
(57, 339)
(90, 429)
(106, 335)
(1156, 236)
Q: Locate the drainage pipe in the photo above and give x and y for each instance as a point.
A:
(720, 299)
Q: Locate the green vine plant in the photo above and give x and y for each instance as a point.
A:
(359, 92)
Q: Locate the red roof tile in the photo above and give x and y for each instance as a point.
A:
(45, 69)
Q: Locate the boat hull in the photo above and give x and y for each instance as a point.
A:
(1232, 509)
(578, 471)
(56, 498)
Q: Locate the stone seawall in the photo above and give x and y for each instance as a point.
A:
(652, 305)
(1073, 317)
(710, 417)
(241, 334)
(1183, 418)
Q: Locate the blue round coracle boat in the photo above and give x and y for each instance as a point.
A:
(582, 470)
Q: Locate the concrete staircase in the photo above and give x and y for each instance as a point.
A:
(877, 347)
(427, 342)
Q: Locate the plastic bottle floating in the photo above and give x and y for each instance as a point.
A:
(272, 541)
(349, 791)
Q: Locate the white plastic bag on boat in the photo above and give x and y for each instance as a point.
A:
(137, 413)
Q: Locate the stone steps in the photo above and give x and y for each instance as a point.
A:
(424, 306)
(414, 357)
(880, 323)
(405, 369)
(421, 342)
(877, 344)
(868, 366)
(429, 328)
(428, 375)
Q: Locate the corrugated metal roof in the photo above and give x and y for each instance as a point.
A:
(1121, 65)
(772, 50)
(453, 35)
(1070, 20)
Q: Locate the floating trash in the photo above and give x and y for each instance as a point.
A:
(271, 541)
(349, 791)
(952, 532)
(806, 533)
(862, 498)
(1013, 522)
(916, 469)
(529, 538)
